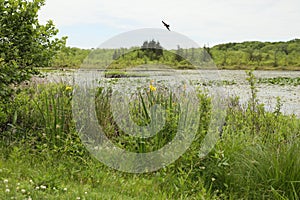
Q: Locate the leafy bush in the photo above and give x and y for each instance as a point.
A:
(24, 43)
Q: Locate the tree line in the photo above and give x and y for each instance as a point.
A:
(271, 54)
(250, 54)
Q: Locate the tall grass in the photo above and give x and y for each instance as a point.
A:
(43, 121)
(256, 156)
(143, 112)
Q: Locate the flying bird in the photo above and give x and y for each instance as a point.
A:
(166, 25)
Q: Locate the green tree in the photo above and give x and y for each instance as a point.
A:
(179, 54)
(24, 43)
(152, 49)
(115, 55)
(207, 55)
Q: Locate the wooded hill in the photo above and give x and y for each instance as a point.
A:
(245, 55)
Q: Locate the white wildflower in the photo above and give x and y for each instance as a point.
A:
(23, 190)
(7, 190)
(65, 189)
(5, 181)
(43, 187)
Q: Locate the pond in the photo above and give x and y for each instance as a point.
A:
(231, 82)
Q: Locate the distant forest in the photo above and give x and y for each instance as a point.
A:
(245, 55)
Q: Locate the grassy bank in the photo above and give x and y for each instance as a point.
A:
(42, 156)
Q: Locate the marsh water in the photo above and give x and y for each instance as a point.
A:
(230, 82)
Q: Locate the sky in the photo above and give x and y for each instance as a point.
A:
(90, 23)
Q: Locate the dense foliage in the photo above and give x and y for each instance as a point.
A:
(24, 42)
(70, 57)
(270, 54)
(151, 52)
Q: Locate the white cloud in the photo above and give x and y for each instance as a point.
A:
(209, 20)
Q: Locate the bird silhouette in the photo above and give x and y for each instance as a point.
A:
(166, 25)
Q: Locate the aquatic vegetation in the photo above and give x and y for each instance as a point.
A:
(280, 81)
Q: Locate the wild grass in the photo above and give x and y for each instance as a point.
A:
(140, 112)
(42, 156)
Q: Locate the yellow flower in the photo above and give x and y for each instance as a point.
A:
(68, 88)
(152, 88)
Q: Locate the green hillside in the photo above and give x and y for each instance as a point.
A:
(274, 55)
(245, 55)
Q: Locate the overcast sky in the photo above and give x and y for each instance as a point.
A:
(89, 23)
